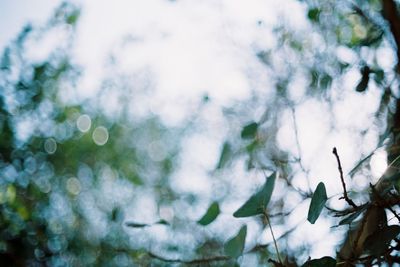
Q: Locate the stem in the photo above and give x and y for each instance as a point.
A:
(273, 237)
(345, 196)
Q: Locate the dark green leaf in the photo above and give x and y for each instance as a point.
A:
(317, 203)
(136, 225)
(324, 261)
(234, 246)
(211, 214)
(378, 242)
(249, 131)
(313, 14)
(162, 221)
(226, 154)
(259, 201)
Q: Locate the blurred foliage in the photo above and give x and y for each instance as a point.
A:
(71, 175)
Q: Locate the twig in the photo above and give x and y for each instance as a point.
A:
(345, 196)
(273, 236)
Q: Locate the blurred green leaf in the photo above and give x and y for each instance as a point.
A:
(249, 131)
(136, 225)
(322, 262)
(378, 242)
(259, 201)
(211, 214)
(313, 14)
(361, 162)
(226, 155)
(234, 246)
(318, 201)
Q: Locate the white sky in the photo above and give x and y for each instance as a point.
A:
(188, 48)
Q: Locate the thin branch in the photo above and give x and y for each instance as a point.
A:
(273, 236)
(345, 196)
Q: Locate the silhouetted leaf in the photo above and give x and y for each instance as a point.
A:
(226, 154)
(349, 219)
(363, 84)
(211, 214)
(234, 246)
(378, 242)
(324, 261)
(259, 201)
(317, 203)
(249, 131)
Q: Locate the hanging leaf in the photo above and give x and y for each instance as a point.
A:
(324, 261)
(317, 203)
(378, 242)
(211, 214)
(234, 246)
(249, 131)
(363, 84)
(259, 201)
(226, 154)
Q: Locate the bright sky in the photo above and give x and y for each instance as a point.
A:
(187, 48)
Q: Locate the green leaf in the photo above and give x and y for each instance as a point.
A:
(378, 242)
(317, 203)
(313, 14)
(259, 201)
(249, 131)
(324, 261)
(136, 225)
(234, 246)
(226, 154)
(211, 214)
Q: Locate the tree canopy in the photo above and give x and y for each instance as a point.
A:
(107, 180)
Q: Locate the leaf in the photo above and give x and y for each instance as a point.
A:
(249, 131)
(225, 155)
(313, 14)
(353, 171)
(317, 203)
(349, 219)
(259, 201)
(163, 222)
(136, 225)
(211, 214)
(234, 246)
(378, 242)
(324, 261)
(363, 84)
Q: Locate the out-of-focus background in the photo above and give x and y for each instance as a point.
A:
(122, 122)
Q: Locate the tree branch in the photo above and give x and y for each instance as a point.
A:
(345, 196)
(391, 15)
